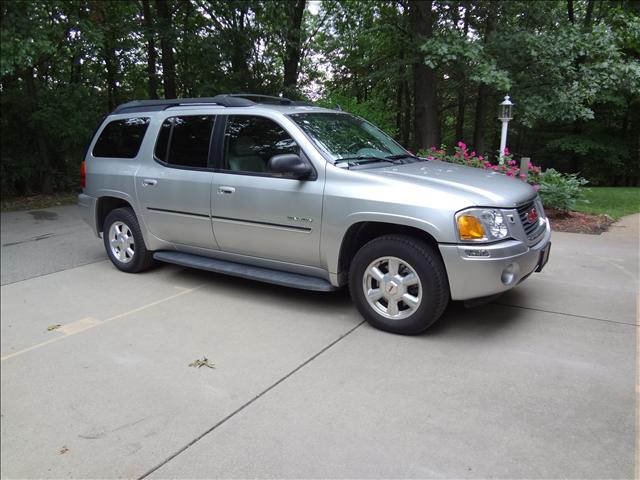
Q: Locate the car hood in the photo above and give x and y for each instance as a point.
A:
(479, 187)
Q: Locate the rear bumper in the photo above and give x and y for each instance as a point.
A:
(87, 207)
(481, 270)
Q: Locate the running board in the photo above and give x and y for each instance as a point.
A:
(251, 272)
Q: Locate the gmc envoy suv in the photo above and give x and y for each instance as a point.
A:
(287, 193)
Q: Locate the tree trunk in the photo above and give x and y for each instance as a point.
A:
(152, 56)
(293, 45)
(461, 89)
(406, 131)
(570, 13)
(111, 64)
(479, 141)
(166, 47)
(426, 124)
(46, 180)
(589, 14)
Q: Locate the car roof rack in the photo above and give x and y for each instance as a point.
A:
(224, 100)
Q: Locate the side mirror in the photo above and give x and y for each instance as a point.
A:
(291, 165)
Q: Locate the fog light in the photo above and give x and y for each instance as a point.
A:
(510, 274)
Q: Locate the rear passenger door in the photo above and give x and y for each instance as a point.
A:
(259, 213)
(174, 188)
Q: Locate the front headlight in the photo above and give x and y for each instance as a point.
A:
(481, 225)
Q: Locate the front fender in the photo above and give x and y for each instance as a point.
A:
(334, 236)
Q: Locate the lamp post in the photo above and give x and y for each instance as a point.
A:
(505, 115)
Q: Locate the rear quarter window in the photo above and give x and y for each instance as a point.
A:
(121, 138)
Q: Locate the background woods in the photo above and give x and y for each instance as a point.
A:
(428, 72)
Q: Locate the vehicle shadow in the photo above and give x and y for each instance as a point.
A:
(259, 291)
(458, 320)
(480, 321)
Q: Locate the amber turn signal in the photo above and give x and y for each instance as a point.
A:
(470, 228)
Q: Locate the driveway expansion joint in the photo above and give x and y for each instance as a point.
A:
(248, 403)
(568, 314)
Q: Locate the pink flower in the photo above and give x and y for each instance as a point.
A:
(523, 176)
(433, 149)
(512, 162)
(462, 145)
(440, 152)
(457, 154)
(481, 158)
(506, 150)
(429, 157)
(473, 154)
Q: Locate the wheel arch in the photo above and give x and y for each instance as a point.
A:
(106, 204)
(362, 232)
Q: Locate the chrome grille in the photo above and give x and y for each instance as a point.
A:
(531, 229)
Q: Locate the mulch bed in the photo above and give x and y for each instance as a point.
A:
(576, 222)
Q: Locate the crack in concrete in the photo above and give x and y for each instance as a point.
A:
(246, 404)
(568, 314)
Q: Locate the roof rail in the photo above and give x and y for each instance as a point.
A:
(224, 100)
(157, 105)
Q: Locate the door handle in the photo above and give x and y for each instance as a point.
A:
(226, 190)
(149, 182)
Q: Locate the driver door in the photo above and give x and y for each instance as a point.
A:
(259, 213)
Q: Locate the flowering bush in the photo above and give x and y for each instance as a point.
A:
(559, 191)
(463, 156)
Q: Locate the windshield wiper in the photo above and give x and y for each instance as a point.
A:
(403, 155)
(362, 160)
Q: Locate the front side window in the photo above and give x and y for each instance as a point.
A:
(250, 142)
(184, 141)
(121, 138)
(342, 135)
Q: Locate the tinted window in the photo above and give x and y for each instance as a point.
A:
(162, 144)
(121, 138)
(184, 141)
(250, 142)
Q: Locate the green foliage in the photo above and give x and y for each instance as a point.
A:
(374, 110)
(560, 191)
(576, 85)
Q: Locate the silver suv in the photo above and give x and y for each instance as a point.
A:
(276, 191)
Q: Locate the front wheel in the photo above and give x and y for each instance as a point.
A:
(399, 284)
(124, 242)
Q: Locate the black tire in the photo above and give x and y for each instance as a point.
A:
(416, 257)
(141, 259)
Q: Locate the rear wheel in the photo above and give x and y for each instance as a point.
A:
(124, 242)
(399, 284)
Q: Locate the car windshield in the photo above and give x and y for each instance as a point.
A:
(343, 136)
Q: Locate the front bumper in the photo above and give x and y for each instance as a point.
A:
(87, 207)
(481, 270)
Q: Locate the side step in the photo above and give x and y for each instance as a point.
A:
(251, 272)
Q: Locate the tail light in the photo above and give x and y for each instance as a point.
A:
(83, 175)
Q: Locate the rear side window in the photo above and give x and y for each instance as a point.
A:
(121, 138)
(184, 141)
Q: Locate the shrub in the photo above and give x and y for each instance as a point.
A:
(463, 156)
(560, 190)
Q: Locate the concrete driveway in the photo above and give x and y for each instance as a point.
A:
(540, 384)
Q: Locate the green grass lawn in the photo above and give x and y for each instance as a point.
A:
(614, 201)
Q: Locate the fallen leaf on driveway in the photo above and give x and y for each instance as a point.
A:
(202, 363)
(53, 327)
(63, 450)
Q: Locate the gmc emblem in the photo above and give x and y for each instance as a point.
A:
(532, 216)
